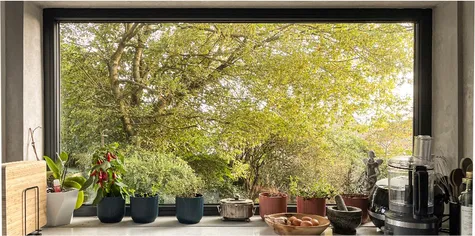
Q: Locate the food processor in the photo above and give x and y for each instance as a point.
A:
(411, 192)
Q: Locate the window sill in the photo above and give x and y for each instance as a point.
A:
(168, 225)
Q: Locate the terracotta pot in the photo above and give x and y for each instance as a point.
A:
(358, 200)
(314, 206)
(272, 204)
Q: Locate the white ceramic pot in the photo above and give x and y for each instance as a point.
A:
(60, 207)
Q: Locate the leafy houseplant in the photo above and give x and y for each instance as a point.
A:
(144, 178)
(60, 205)
(311, 195)
(271, 202)
(182, 182)
(106, 177)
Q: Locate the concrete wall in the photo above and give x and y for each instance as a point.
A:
(467, 51)
(452, 71)
(33, 79)
(2, 79)
(14, 81)
(24, 82)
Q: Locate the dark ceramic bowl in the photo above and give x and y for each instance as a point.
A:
(344, 222)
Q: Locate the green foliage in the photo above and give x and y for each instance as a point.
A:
(143, 177)
(146, 171)
(181, 180)
(244, 105)
(153, 172)
(59, 170)
(106, 173)
(310, 188)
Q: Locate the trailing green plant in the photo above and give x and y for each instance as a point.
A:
(106, 172)
(311, 188)
(59, 170)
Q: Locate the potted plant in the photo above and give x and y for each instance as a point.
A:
(272, 202)
(106, 177)
(182, 182)
(311, 195)
(60, 205)
(144, 179)
(354, 196)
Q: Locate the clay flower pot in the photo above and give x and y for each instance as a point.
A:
(272, 203)
(358, 200)
(313, 206)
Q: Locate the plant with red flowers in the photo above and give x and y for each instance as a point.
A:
(106, 173)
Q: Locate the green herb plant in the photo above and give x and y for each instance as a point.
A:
(59, 170)
(311, 189)
(106, 173)
(145, 175)
(182, 181)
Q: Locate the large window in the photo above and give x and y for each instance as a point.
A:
(245, 105)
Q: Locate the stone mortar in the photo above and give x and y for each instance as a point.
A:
(344, 222)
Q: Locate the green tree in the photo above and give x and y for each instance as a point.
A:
(233, 99)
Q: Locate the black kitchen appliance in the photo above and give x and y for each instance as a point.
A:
(379, 203)
(411, 192)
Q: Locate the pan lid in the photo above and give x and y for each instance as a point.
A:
(237, 200)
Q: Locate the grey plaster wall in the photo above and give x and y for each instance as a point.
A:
(14, 81)
(23, 80)
(2, 79)
(32, 79)
(452, 86)
(467, 51)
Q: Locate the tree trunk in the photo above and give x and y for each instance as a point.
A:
(138, 71)
(137, 92)
(131, 31)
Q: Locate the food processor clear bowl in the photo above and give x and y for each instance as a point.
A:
(400, 181)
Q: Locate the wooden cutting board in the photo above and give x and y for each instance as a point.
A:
(17, 176)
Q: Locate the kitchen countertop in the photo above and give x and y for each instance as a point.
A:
(168, 225)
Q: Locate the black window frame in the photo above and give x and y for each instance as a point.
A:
(422, 19)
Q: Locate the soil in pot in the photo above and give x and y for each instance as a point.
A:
(358, 200)
(144, 209)
(270, 203)
(189, 210)
(314, 206)
(111, 209)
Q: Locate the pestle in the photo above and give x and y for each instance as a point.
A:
(340, 204)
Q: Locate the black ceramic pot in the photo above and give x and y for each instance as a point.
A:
(144, 209)
(111, 209)
(379, 203)
(189, 210)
